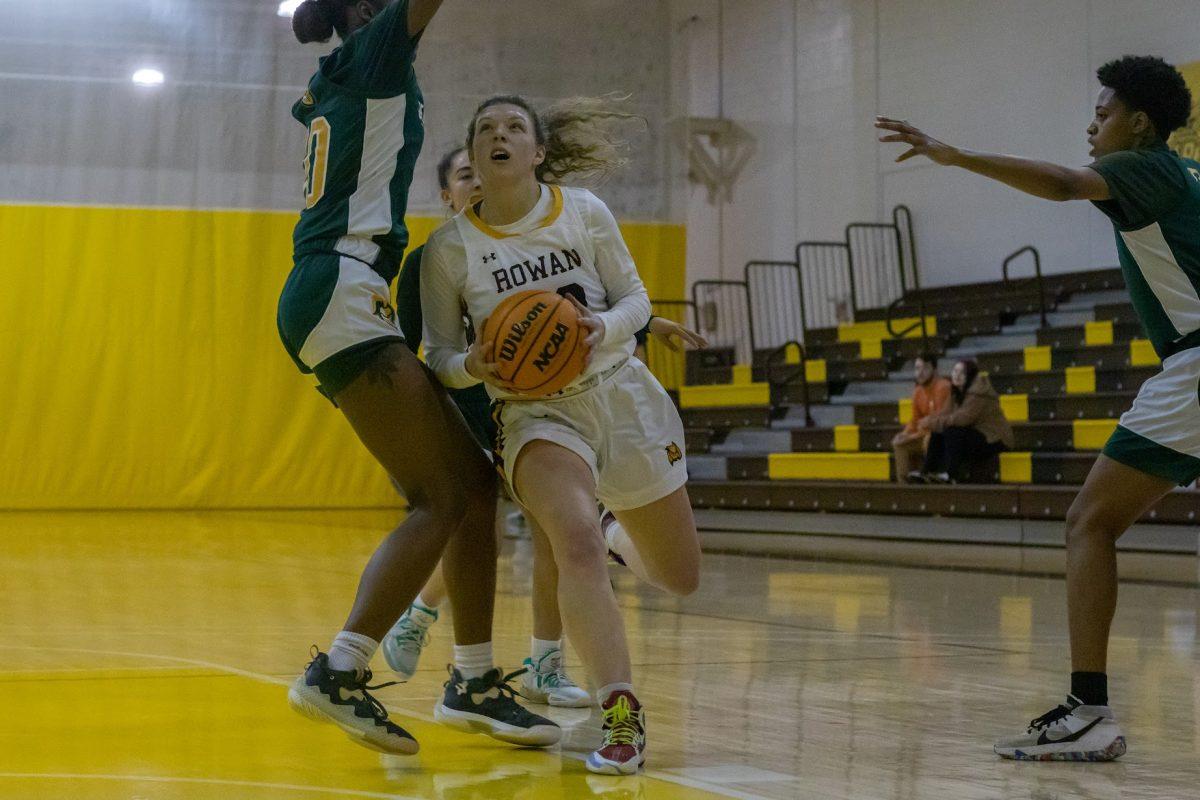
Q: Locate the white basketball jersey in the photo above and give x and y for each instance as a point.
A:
(558, 255)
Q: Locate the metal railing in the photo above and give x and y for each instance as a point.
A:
(774, 293)
(902, 221)
(668, 365)
(724, 317)
(910, 277)
(826, 284)
(1037, 274)
(876, 263)
(778, 385)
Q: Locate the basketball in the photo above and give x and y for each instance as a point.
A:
(537, 342)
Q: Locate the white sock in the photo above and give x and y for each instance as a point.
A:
(606, 691)
(473, 660)
(540, 648)
(620, 543)
(351, 651)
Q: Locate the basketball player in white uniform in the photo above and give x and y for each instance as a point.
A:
(614, 433)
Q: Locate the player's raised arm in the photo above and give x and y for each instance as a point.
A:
(1038, 178)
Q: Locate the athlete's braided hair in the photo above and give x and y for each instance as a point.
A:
(580, 135)
(1150, 85)
(317, 20)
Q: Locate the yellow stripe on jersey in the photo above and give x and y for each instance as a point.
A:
(555, 209)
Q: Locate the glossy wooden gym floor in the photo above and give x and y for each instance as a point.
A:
(145, 656)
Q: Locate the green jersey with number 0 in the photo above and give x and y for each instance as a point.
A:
(1155, 210)
(364, 114)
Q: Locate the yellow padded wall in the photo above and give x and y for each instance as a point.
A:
(145, 370)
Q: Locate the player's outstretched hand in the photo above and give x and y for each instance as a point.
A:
(480, 367)
(921, 143)
(668, 331)
(590, 322)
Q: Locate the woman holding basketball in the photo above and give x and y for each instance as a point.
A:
(613, 432)
(363, 113)
(545, 679)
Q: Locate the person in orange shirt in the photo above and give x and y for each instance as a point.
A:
(930, 396)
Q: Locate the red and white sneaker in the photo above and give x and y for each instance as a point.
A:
(623, 749)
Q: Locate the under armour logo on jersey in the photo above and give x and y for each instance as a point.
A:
(492, 257)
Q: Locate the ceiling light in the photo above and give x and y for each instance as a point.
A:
(148, 77)
(288, 7)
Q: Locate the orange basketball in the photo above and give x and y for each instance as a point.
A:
(537, 341)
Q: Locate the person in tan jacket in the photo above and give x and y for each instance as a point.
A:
(931, 395)
(969, 429)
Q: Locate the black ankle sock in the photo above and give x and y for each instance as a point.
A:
(1090, 687)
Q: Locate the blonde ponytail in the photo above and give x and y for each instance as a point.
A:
(584, 141)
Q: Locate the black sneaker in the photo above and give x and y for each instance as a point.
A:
(328, 695)
(488, 705)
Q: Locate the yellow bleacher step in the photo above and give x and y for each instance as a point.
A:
(1091, 434)
(1095, 333)
(877, 329)
(1037, 359)
(845, 438)
(1081, 380)
(829, 466)
(1141, 353)
(870, 348)
(725, 395)
(904, 410)
(1015, 407)
(742, 374)
(1016, 467)
(815, 369)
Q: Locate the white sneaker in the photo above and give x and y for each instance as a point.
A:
(547, 682)
(516, 526)
(1073, 732)
(607, 518)
(403, 644)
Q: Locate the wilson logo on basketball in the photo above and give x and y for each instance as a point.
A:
(511, 345)
(536, 342)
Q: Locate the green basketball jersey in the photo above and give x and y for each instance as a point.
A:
(364, 115)
(1155, 211)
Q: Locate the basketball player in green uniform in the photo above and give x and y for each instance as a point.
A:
(1152, 197)
(363, 113)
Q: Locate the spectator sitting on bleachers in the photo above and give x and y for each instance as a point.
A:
(930, 396)
(969, 430)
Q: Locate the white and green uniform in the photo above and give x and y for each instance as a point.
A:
(363, 113)
(1155, 211)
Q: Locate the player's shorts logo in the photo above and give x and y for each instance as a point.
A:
(384, 310)
(308, 98)
(673, 453)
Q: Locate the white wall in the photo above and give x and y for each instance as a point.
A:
(808, 76)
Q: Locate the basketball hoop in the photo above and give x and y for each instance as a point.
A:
(718, 150)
